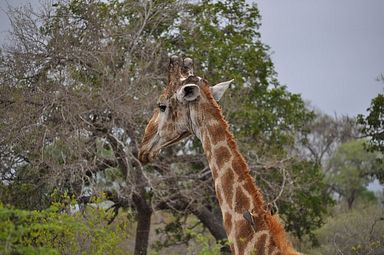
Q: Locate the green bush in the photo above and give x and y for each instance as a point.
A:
(356, 232)
(54, 231)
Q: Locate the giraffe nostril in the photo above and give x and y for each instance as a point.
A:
(143, 157)
(153, 155)
(147, 156)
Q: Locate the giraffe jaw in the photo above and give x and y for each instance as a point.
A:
(175, 140)
(148, 155)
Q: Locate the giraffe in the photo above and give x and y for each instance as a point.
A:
(188, 105)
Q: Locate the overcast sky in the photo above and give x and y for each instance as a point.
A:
(330, 51)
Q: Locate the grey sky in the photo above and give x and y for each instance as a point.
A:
(4, 21)
(330, 51)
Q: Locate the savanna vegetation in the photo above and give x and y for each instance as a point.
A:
(78, 82)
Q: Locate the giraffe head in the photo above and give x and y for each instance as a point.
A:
(179, 108)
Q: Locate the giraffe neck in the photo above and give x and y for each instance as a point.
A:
(237, 193)
(234, 186)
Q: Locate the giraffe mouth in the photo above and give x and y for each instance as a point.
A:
(148, 155)
(175, 140)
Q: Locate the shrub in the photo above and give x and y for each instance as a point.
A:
(53, 231)
(356, 232)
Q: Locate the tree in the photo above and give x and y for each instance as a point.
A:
(358, 231)
(372, 126)
(323, 135)
(88, 71)
(304, 207)
(350, 170)
(223, 39)
(79, 69)
(54, 231)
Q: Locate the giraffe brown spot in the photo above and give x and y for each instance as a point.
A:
(227, 182)
(222, 155)
(174, 116)
(150, 130)
(170, 129)
(227, 222)
(272, 249)
(217, 133)
(205, 107)
(240, 167)
(261, 245)
(210, 110)
(259, 220)
(215, 172)
(244, 234)
(250, 187)
(191, 79)
(241, 201)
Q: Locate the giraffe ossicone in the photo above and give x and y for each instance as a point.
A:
(188, 105)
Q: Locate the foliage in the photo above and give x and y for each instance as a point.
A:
(188, 231)
(351, 167)
(372, 126)
(89, 72)
(373, 123)
(258, 108)
(264, 116)
(305, 209)
(208, 246)
(28, 190)
(54, 231)
(325, 134)
(356, 232)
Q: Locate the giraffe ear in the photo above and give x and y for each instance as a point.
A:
(188, 92)
(219, 89)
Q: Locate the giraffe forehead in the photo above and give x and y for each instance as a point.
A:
(172, 88)
(167, 95)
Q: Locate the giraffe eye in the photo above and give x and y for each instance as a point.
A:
(162, 107)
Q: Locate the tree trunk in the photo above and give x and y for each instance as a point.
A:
(132, 170)
(215, 227)
(144, 213)
(351, 199)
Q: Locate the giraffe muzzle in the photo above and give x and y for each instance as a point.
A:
(145, 157)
